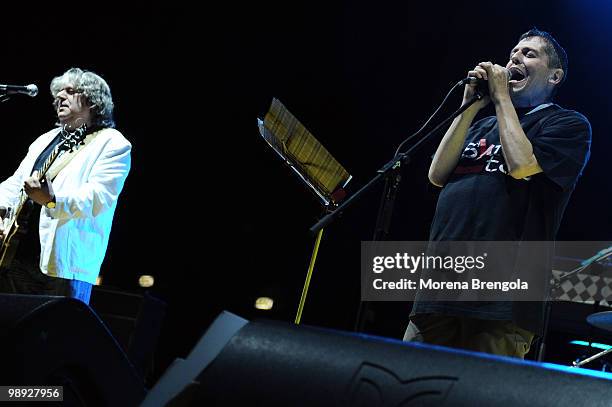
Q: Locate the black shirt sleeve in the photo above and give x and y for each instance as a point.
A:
(562, 147)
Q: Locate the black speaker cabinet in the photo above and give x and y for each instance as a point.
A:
(279, 364)
(61, 341)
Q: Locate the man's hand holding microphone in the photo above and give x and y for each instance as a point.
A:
(491, 80)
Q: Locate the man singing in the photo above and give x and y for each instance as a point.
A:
(504, 178)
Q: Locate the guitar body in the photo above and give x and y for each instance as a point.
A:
(15, 227)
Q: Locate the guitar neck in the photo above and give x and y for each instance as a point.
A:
(41, 174)
(48, 163)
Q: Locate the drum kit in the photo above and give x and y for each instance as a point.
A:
(601, 320)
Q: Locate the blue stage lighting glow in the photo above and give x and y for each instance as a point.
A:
(601, 346)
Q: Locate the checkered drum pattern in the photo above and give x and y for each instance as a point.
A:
(585, 288)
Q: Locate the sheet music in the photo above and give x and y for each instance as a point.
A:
(303, 152)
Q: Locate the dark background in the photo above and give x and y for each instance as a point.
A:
(208, 209)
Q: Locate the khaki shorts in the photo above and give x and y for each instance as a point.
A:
(502, 338)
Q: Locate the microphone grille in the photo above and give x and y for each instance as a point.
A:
(32, 90)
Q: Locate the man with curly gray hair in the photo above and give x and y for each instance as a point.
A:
(76, 191)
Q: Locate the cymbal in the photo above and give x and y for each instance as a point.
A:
(601, 320)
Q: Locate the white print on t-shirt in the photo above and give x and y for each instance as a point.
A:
(478, 158)
(493, 157)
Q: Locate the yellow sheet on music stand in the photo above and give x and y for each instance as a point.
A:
(303, 152)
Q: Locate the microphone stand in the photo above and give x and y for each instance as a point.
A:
(391, 173)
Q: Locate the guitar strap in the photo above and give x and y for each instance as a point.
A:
(63, 160)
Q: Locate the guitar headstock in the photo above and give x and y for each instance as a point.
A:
(72, 139)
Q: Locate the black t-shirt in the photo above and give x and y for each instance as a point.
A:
(482, 202)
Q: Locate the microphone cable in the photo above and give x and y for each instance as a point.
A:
(419, 131)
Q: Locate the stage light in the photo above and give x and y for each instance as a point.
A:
(146, 281)
(595, 345)
(264, 303)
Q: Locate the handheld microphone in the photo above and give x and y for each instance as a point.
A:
(481, 82)
(30, 90)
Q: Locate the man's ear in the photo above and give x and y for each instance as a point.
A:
(556, 77)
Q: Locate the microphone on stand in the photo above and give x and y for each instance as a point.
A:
(30, 90)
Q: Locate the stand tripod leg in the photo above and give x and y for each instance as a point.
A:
(592, 358)
(313, 258)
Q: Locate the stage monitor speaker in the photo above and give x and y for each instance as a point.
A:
(60, 341)
(278, 364)
(135, 320)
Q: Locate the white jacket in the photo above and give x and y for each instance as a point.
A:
(74, 235)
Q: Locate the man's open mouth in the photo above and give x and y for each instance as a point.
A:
(517, 76)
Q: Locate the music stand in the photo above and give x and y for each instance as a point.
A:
(313, 164)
